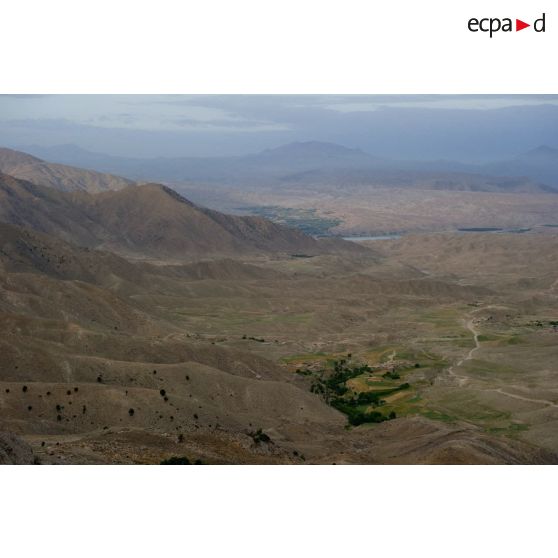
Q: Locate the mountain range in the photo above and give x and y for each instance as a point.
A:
(300, 162)
(138, 327)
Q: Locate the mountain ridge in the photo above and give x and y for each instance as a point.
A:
(301, 160)
(147, 220)
(58, 176)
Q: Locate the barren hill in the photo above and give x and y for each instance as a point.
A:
(150, 220)
(61, 177)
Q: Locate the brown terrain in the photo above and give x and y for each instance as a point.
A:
(60, 177)
(136, 326)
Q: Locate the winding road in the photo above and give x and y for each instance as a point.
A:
(515, 396)
(462, 380)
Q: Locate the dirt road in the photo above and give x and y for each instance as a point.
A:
(462, 380)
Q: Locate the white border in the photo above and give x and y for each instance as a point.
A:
(273, 46)
(274, 511)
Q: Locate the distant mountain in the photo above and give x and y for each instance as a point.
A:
(54, 175)
(539, 164)
(543, 153)
(330, 164)
(338, 179)
(73, 155)
(313, 154)
(309, 153)
(147, 220)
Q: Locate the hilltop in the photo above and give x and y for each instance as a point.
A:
(54, 175)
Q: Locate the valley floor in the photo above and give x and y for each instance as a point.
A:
(446, 344)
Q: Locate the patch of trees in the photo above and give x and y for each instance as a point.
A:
(334, 385)
(334, 390)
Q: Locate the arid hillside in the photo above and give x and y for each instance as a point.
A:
(60, 177)
(148, 221)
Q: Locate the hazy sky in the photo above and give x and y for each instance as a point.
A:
(464, 127)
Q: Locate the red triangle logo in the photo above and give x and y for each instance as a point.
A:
(519, 25)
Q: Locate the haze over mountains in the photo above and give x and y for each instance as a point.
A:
(305, 162)
(466, 128)
(319, 188)
(61, 177)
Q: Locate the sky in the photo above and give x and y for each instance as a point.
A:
(460, 127)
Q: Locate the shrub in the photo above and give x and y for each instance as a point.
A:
(360, 417)
(176, 461)
(162, 392)
(24, 389)
(131, 412)
(259, 437)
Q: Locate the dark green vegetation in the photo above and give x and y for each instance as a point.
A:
(260, 437)
(251, 338)
(305, 220)
(332, 386)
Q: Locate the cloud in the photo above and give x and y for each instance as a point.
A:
(465, 127)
